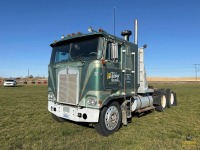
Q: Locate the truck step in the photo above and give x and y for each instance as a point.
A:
(146, 109)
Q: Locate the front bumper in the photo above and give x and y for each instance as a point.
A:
(74, 113)
(8, 84)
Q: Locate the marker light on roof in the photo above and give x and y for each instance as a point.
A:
(100, 30)
(62, 37)
(90, 29)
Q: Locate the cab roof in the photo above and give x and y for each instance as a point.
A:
(100, 33)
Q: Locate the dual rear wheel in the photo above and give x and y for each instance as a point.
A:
(165, 98)
(171, 98)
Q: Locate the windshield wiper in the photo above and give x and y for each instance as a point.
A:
(79, 58)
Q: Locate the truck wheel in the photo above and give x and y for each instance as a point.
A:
(169, 97)
(110, 119)
(162, 103)
(175, 100)
(58, 119)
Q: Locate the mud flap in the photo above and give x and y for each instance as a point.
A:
(124, 117)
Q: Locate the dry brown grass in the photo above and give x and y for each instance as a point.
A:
(168, 79)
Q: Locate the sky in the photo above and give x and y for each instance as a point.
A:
(170, 28)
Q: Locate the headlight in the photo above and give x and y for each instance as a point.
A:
(51, 96)
(91, 101)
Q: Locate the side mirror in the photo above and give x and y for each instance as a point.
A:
(114, 51)
(144, 46)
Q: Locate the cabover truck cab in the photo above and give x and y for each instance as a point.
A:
(100, 79)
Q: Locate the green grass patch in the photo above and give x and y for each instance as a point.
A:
(25, 123)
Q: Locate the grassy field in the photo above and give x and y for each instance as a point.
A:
(25, 123)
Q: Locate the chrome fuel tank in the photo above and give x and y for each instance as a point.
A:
(140, 102)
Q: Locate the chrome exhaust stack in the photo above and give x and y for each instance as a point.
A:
(136, 32)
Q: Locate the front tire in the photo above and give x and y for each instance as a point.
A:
(110, 119)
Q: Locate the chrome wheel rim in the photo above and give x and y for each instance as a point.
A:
(163, 101)
(111, 117)
(171, 98)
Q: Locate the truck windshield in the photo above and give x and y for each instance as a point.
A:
(78, 49)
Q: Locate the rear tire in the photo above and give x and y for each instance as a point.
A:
(110, 119)
(162, 102)
(175, 100)
(171, 98)
(58, 119)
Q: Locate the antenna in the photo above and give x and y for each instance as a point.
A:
(114, 20)
(197, 69)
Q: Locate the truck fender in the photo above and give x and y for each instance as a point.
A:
(119, 99)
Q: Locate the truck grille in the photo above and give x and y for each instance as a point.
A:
(68, 87)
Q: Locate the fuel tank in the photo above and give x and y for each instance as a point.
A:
(141, 101)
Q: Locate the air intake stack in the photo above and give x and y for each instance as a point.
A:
(126, 34)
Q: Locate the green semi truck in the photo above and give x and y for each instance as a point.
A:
(101, 79)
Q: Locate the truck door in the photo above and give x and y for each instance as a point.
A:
(128, 70)
(112, 71)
